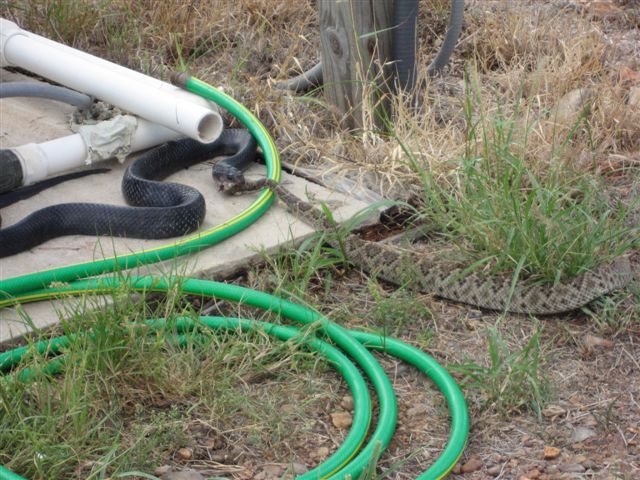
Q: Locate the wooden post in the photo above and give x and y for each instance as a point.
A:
(356, 44)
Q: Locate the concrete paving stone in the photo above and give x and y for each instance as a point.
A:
(36, 120)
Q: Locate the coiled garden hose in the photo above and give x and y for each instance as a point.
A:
(343, 463)
(349, 459)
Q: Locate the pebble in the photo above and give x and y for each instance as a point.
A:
(273, 471)
(417, 410)
(571, 468)
(185, 453)
(570, 105)
(473, 464)
(161, 470)
(220, 457)
(182, 475)
(580, 434)
(341, 419)
(553, 411)
(550, 453)
(347, 403)
(299, 468)
(322, 453)
(591, 341)
(495, 470)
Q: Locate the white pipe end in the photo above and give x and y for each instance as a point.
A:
(7, 30)
(210, 127)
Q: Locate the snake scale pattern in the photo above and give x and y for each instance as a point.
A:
(425, 274)
(155, 209)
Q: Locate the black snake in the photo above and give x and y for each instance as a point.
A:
(156, 209)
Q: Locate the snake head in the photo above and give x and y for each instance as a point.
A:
(224, 173)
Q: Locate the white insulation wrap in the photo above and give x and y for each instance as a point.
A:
(151, 99)
(113, 138)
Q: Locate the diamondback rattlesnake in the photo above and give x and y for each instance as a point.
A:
(400, 267)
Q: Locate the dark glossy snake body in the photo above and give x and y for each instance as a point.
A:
(156, 209)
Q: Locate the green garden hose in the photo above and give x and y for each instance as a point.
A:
(350, 342)
(190, 244)
(188, 327)
(349, 459)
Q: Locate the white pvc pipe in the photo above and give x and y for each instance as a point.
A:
(42, 160)
(137, 76)
(134, 92)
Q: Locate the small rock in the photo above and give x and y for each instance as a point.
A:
(185, 453)
(553, 411)
(550, 453)
(161, 470)
(570, 105)
(580, 434)
(571, 468)
(182, 475)
(580, 459)
(299, 468)
(273, 471)
(209, 443)
(321, 453)
(533, 474)
(347, 403)
(629, 75)
(471, 465)
(341, 419)
(220, 457)
(591, 341)
(494, 470)
(417, 410)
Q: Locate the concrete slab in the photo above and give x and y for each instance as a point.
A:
(29, 120)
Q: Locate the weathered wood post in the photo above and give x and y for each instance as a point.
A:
(356, 45)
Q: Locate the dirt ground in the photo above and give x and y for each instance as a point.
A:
(589, 423)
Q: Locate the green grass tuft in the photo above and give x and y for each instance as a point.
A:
(542, 219)
(514, 379)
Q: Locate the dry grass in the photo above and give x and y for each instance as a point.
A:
(521, 59)
(546, 52)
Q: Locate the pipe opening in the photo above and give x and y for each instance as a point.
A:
(209, 127)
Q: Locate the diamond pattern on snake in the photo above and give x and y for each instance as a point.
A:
(427, 275)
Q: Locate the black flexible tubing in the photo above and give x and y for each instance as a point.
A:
(404, 40)
(402, 53)
(45, 90)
